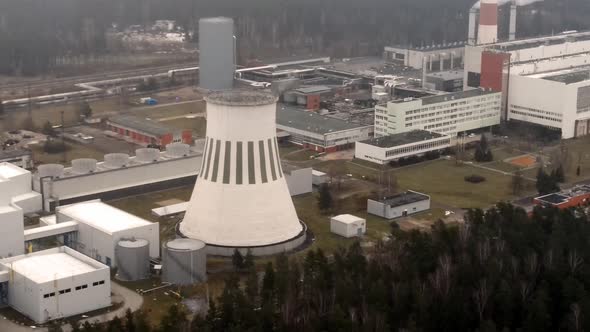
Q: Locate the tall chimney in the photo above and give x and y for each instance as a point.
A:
(472, 18)
(442, 61)
(452, 59)
(512, 32)
(424, 66)
(488, 22)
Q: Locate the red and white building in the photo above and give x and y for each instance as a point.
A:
(577, 196)
(147, 132)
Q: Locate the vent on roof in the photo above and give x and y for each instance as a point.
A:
(116, 160)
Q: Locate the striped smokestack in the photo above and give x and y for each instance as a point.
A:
(488, 22)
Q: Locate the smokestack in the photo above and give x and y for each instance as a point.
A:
(512, 32)
(452, 59)
(442, 61)
(472, 18)
(431, 58)
(488, 22)
(424, 72)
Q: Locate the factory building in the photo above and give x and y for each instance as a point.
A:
(437, 57)
(54, 284)
(448, 114)
(101, 227)
(399, 205)
(382, 150)
(217, 53)
(241, 199)
(119, 175)
(447, 81)
(147, 132)
(318, 132)
(544, 81)
(309, 97)
(577, 196)
(20, 157)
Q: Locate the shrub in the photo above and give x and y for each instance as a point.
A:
(473, 178)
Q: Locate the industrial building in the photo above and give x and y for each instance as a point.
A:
(101, 227)
(20, 157)
(217, 53)
(309, 96)
(348, 226)
(299, 180)
(399, 205)
(544, 81)
(447, 81)
(147, 132)
(119, 175)
(318, 132)
(448, 114)
(241, 199)
(54, 283)
(437, 57)
(577, 196)
(384, 149)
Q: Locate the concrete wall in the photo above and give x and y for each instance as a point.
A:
(348, 230)
(11, 231)
(299, 181)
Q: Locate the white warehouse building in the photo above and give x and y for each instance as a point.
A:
(54, 284)
(448, 114)
(399, 205)
(101, 227)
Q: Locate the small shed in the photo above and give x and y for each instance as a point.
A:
(348, 225)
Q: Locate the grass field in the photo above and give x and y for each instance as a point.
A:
(166, 111)
(300, 155)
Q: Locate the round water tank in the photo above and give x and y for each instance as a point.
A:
(116, 160)
(132, 257)
(83, 165)
(184, 262)
(52, 170)
(177, 150)
(147, 155)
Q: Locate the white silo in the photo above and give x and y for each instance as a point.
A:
(216, 53)
(241, 199)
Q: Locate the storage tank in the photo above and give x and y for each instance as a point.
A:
(132, 257)
(52, 170)
(216, 53)
(184, 262)
(176, 150)
(147, 155)
(83, 165)
(116, 160)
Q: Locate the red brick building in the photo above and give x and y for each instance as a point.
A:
(577, 196)
(145, 132)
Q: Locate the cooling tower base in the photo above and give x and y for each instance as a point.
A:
(266, 250)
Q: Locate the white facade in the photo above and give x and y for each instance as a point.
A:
(383, 152)
(448, 114)
(299, 180)
(101, 227)
(56, 283)
(348, 225)
(241, 198)
(451, 54)
(319, 178)
(399, 205)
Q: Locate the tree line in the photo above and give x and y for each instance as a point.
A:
(37, 35)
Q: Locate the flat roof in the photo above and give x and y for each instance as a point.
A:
(8, 170)
(409, 137)
(147, 126)
(567, 76)
(241, 98)
(347, 218)
(102, 216)
(48, 267)
(311, 121)
(404, 198)
(454, 96)
(4, 154)
(427, 48)
(539, 41)
(447, 75)
(564, 196)
(313, 89)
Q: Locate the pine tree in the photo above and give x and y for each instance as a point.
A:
(129, 321)
(174, 321)
(237, 260)
(248, 259)
(115, 325)
(141, 322)
(578, 171)
(325, 198)
(268, 284)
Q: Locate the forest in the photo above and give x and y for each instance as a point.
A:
(35, 35)
(500, 271)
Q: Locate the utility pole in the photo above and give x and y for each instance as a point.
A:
(63, 139)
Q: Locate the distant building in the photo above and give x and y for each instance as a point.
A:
(448, 114)
(348, 225)
(382, 150)
(399, 205)
(309, 96)
(451, 55)
(55, 284)
(299, 180)
(448, 81)
(146, 132)
(320, 133)
(577, 196)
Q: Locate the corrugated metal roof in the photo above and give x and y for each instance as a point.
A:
(144, 125)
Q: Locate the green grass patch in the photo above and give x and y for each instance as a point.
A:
(301, 155)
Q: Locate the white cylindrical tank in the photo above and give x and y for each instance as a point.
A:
(241, 198)
(147, 155)
(83, 165)
(216, 53)
(132, 259)
(116, 160)
(184, 262)
(52, 170)
(176, 150)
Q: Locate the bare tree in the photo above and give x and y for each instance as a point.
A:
(517, 183)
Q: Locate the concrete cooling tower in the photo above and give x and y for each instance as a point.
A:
(241, 199)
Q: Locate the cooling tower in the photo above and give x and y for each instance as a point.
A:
(216, 53)
(241, 199)
(488, 22)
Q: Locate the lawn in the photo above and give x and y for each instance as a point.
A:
(299, 155)
(75, 151)
(444, 182)
(502, 166)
